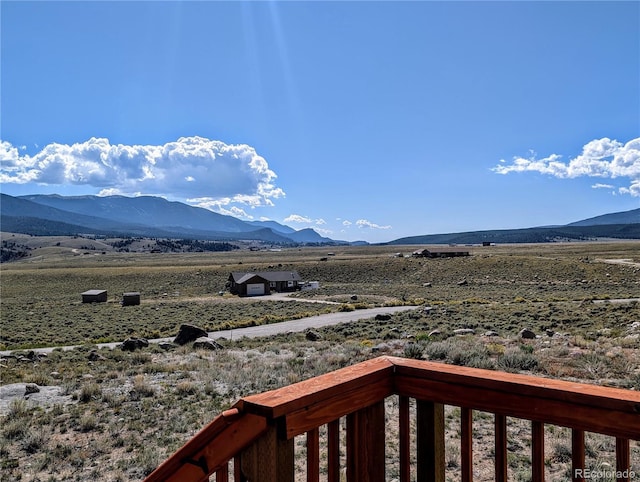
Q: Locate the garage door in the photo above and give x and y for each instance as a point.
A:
(255, 289)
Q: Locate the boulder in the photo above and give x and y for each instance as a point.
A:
(189, 333)
(167, 346)
(464, 331)
(30, 388)
(95, 356)
(132, 344)
(205, 343)
(527, 334)
(490, 333)
(312, 335)
(392, 334)
(380, 348)
(383, 317)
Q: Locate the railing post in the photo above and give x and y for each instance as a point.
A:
(466, 444)
(623, 459)
(430, 443)
(537, 451)
(404, 427)
(313, 455)
(222, 475)
(237, 470)
(366, 444)
(333, 451)
(577, 455)
(268, 459)
(501, 448)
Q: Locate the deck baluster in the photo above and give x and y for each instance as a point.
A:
(222, 474)
(577, 455)
(313, 455)
(430, 446)
(237, 471)
(466, 444)
(537, 451)
(404, 433)
(623, 459)
(366, 444)
(333, 451)
(500, 447)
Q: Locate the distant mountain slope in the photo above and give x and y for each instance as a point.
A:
(529, 235)
(274, 226)
(624, 217)
(21, 207)
(307, 236)
(621, 225)
(145, 217)
(42, 227)
(145, 210)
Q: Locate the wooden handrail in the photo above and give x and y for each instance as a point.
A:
(609, 411)
(314, 402)
(272, 419)
(211, 448)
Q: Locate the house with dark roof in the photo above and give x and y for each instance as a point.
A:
(263, 282)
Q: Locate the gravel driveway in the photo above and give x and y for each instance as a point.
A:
(301, 324)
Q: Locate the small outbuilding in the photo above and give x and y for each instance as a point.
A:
(131, 299)
(94, 296)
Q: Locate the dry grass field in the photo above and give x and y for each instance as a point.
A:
(114, 415)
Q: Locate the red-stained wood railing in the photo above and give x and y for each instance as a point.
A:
(258, 433)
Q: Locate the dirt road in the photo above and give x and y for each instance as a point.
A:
(302, 324)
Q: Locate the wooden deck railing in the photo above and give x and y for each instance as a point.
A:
(254, 440)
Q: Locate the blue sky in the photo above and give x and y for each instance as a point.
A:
(363, 120)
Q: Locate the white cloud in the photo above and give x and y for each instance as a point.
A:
(296, 218)
(196, 167)
(633, 189)
(236, 212)
(346, 223)
(363, 223)
(602, 186)
(323, 232)
(603, 158)
(222, 206)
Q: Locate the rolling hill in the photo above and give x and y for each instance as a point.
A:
(622, 225)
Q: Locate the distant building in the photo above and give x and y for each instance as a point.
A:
(263, 282)
(94, 296)
(131, 299)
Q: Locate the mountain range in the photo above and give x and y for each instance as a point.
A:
(143, 216)
(149, 216)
